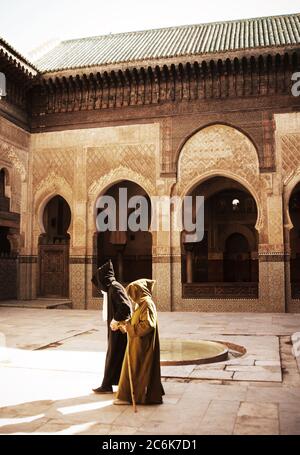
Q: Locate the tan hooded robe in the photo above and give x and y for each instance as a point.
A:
(143, 348)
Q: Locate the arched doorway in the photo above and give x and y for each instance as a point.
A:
(54, 249)
(294, 210)
(130, 251)
(9, 232)
(225, 263)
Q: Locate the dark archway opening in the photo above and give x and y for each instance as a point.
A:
(237, 259)
(294, 210)
(130, 251)
(4, 200)
(2, 183)
(9, 232)
(225, 263)
(5, 247)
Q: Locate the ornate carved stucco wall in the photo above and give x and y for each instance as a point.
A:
(80, 165)
(288, 146)
(14, 157)
(14, 143)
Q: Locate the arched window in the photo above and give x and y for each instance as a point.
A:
(56, 220)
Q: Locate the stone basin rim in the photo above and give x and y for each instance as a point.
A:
(220, 357)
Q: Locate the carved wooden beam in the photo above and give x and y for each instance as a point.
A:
(213, 79)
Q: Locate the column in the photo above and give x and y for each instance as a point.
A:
(189, 262)
(271, 252)
(78, 258)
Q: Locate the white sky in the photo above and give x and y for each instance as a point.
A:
(29, 24)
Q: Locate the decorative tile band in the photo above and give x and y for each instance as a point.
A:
(82, 260)
(166, 259)
(161, 259)
(72, 259)
(220, 290)
(28, 259)
(8, 256)
(273, 257)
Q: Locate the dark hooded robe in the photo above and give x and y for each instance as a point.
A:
(142, 349)
(119, 309)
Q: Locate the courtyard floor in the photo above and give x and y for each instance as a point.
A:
(51, 359)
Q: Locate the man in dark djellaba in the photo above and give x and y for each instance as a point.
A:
(118, 310)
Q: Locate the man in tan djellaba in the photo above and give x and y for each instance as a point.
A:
(140, 380)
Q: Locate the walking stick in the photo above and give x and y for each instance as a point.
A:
(130, 376)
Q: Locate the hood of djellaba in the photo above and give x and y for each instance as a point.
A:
(104, 276)
(140, 290)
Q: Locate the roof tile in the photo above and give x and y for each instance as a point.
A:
(171, 42)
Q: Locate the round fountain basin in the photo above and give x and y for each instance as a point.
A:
(186, 352)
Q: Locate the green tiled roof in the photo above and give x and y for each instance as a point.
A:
(217, 37)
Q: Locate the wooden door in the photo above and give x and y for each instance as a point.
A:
(54, 270)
